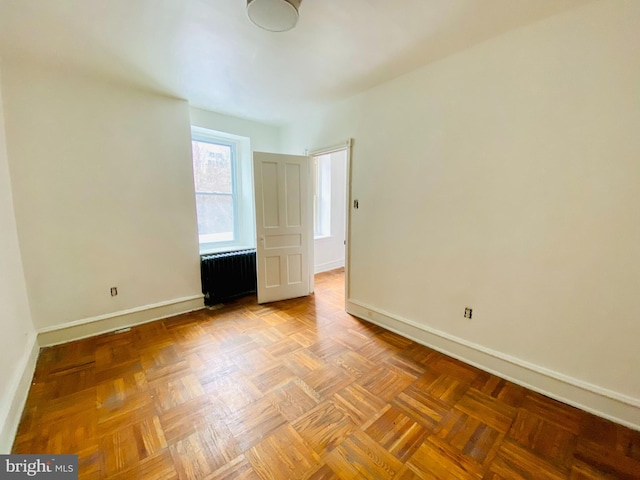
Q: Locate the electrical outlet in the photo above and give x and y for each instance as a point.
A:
(114, 291)
(468, 312)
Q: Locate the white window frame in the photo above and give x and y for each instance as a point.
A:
(242, 190)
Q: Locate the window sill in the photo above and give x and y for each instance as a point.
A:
(321, 237)
(225, 249)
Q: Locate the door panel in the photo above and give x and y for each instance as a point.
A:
(283, 226)
(292, 175)
(294, 262)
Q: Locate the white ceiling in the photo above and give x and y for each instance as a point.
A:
(208, 52)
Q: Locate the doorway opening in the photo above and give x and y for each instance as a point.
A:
(331, 195)
(329, 200)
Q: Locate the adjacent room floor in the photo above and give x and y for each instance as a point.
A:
(300, 389)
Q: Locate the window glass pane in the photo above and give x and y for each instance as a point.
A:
(212, 167)
(215, 218)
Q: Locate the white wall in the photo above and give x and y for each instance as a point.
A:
(103, 191)
(329, 250)
(264, 138)
(18, 334)
(506, 178)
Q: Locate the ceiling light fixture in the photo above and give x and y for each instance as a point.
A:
(274, 15)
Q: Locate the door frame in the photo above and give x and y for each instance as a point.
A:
(346, 146)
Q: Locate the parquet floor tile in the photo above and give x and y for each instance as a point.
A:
(386, 381)
(397, 433)
(436, 459)
(515, 461)
(327, 379)
(299, 389)
(325, 426)
(284, 455)
(494, 413)
(294, 399)
(359, 456)
(359, 404)
(472, 438)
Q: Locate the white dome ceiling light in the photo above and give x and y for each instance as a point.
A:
(274, 15)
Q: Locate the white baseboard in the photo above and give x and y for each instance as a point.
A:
(19, 392)
(600, 401)
(325, 267)
(90, 327)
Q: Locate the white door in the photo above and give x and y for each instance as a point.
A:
(284, 226)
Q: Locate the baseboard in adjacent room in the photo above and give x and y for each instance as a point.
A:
(110, 322)
(325, 267)
(19, 392)
(600, 401)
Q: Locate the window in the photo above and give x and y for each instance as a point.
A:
(214, 178)
(224, 201)
(322, 195)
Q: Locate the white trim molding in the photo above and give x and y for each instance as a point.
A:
(325, 267)
(600, 401)
(19, 392)
(333, 148)
(89, 327)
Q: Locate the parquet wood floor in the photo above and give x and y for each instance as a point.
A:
(301, 390)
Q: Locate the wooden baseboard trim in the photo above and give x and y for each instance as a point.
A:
(600, 401)
(90, 327)
(19, 392)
